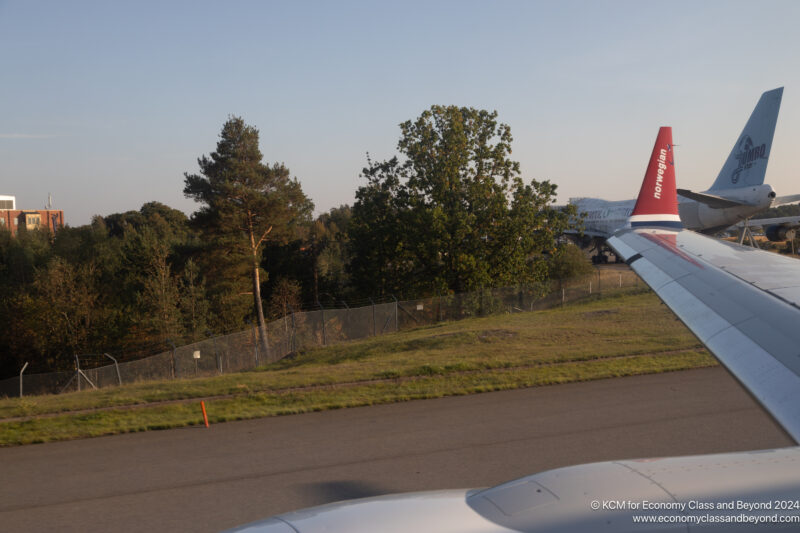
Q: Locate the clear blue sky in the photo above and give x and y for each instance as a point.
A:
(106, 104)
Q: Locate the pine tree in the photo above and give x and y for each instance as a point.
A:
(245, 202)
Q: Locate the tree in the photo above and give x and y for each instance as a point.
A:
(378, 264)
(171, 225)
(245, 202)
(317, 261)
(22, 334)
(327, 244)
(160, 297)
(569, 262)
(65, 305)
(285, 298)
(109, 286)
(454, 213)
(193, 300)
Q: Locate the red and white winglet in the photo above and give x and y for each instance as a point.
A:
(657, 205)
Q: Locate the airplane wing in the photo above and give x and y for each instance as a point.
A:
(763, 222)
(588, 232)
(776, 229)
(742, 303)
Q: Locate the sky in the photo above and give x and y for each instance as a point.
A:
(105, 105)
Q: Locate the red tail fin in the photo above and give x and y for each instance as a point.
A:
(658, 201)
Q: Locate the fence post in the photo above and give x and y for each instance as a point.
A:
(173, 370)
(20, 378)
(116, 366)
(216, 355)
(396, 323)
(346, 327)
(374, 329)
(294, 333)
(290, 340)
(324, 336)
(286, 330)
(255, 343)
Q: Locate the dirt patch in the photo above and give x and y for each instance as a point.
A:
(602, 312)
(492, 334)
(442, 335)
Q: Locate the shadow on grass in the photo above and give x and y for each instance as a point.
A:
(349, 352)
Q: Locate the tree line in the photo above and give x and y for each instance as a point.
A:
(450, 213)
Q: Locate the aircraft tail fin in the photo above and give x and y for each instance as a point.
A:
(657, 204)
(747, 163)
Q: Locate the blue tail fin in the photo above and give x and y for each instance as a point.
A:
(747, 164)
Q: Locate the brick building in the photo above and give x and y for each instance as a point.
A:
(13, 219)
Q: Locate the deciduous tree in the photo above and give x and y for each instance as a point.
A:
(452, 213)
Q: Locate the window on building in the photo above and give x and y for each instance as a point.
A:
(33, 221)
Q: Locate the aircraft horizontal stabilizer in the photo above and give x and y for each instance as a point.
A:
(783, 200)
(715, 202)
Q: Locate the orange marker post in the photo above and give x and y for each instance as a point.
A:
(205, 416)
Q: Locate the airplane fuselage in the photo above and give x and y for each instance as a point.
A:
(700, 217)
(605, 217)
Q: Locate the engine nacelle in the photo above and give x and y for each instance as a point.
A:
(780, 233)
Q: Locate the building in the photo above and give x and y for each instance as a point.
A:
(13, 219)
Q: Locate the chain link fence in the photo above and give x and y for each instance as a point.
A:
(303, 330)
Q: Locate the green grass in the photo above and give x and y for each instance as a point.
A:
(623, 335)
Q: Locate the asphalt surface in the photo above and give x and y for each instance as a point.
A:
(198, 479)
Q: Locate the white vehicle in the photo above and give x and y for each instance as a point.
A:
(744, 305)
(737, 194)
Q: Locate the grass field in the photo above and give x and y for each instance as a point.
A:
(631, 333)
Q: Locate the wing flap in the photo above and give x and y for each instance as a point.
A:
(770, 382)
(788, 294)
(752, 331)
(705, 323)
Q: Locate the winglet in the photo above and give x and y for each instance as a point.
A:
(658, 202)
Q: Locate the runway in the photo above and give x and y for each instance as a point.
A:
(198, 479)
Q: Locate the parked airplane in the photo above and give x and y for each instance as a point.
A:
(778, 229)
(738, 192)
(744, 305)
